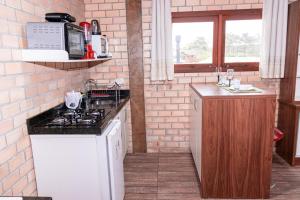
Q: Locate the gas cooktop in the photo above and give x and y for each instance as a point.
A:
(79, 117)
(61, 120)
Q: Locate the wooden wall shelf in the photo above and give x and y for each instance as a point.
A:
(60, 57)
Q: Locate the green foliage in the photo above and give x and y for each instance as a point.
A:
(242, 45)
(196, 51)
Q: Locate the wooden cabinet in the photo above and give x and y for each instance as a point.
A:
(231, 141)
(289, 100)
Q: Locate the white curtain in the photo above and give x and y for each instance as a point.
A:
(162, 67)
(275, 14)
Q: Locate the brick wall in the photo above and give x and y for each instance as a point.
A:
(27, 89)
(167, 104)
(112, 17)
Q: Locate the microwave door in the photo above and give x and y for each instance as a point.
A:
(75, 44)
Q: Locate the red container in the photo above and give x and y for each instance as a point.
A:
(87, 31)
(89, 52)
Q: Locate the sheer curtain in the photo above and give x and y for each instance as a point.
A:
(275, 14)
(162, 67)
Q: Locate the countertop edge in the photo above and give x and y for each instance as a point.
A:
(92, 131)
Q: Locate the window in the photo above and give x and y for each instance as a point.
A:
(192, 44)
(204, 40)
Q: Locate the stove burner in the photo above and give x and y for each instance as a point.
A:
(86, 120)
(71, 117)
(70, 113)
(98, 113)
(60, 121)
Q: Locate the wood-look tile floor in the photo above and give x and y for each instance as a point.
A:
(173, 177)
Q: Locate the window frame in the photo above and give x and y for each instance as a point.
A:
(219, 18)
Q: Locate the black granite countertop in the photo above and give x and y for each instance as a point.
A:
(36, 124)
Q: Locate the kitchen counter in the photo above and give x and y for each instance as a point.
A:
(37, 125)
(231, 141)
(213, 91)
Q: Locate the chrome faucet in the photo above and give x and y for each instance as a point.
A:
(218, 70)
(88, 83)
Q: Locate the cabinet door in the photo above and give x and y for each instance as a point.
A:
(193, 126)
(125, 131)
(298, 138)
(123, 117)
(297, 88)
(298, 66)
(115, 153)
(198, 133)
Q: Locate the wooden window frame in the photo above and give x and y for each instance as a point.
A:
(219, 18)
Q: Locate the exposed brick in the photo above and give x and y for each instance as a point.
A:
(19, 79)
(178, 3)
(14, 3)
(166, 103)
(19, 186)
(192, 2)
(10, 180)
(91, 7)
(7, 153)
(10, 110)
(15, 162)
(4, 171)
(6, 125)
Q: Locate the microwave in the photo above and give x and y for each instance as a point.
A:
(56, 36)
(100, 45)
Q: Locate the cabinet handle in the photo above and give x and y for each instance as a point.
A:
(195, 105)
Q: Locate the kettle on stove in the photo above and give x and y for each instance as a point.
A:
(73, 99)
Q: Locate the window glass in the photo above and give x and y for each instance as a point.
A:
(243, 40)
(193, 42)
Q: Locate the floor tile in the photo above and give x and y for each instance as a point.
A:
(172, 176)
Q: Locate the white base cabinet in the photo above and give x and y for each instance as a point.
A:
(82, 167)
(196, 129)
(71, 167)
